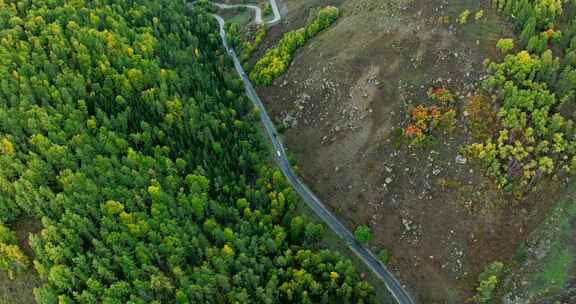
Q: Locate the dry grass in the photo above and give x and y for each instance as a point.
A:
(19, 290)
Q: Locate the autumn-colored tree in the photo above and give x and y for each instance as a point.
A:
(12, 259)
(277, 60)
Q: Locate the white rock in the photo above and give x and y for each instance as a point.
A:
(460, 159)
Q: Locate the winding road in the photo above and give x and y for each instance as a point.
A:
(257, 11)
(392, 284)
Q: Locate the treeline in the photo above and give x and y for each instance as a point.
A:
(277, 60)
(125, 130)
(533, 92)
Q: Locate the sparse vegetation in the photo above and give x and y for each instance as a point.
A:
(249, 48)
(549, 274)
(463, 17)
(245, 44)
(489, 280)
(479, 15)
(444, 20)
(424, 120)
(482, 118)
(384, 255)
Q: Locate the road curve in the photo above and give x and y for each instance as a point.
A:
(257, 11)
(379, 269)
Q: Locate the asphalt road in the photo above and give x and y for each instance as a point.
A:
(392, 284)
(257, 11)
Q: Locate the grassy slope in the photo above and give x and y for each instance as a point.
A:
(19, 290)
(241, 17)
(552, 277)
(546, 262)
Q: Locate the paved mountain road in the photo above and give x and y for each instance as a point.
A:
(392, 284)
(257, 11)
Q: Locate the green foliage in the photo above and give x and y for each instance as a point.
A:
(125, 129)
(537, 44)
(268, 9)
(249, 47)
(479, 15)
(397, 138)
(363, 234)
(535, 139)
(233, 35)
(7, 236)
(12, 259)
(488, 282)
(384, 255)
(552, 273)
(277, 60)
(463, 17)
(531, 17)
(556, 274)
(313, 232)
(505, 45)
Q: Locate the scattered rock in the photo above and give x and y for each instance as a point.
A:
(408, 224)
(460, 159)
(289, 121)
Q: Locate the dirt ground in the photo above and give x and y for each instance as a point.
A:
(19, 290)
(345, 94)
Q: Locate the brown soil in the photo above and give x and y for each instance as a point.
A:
(345, 93)
(23, 228)
(20, 289)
